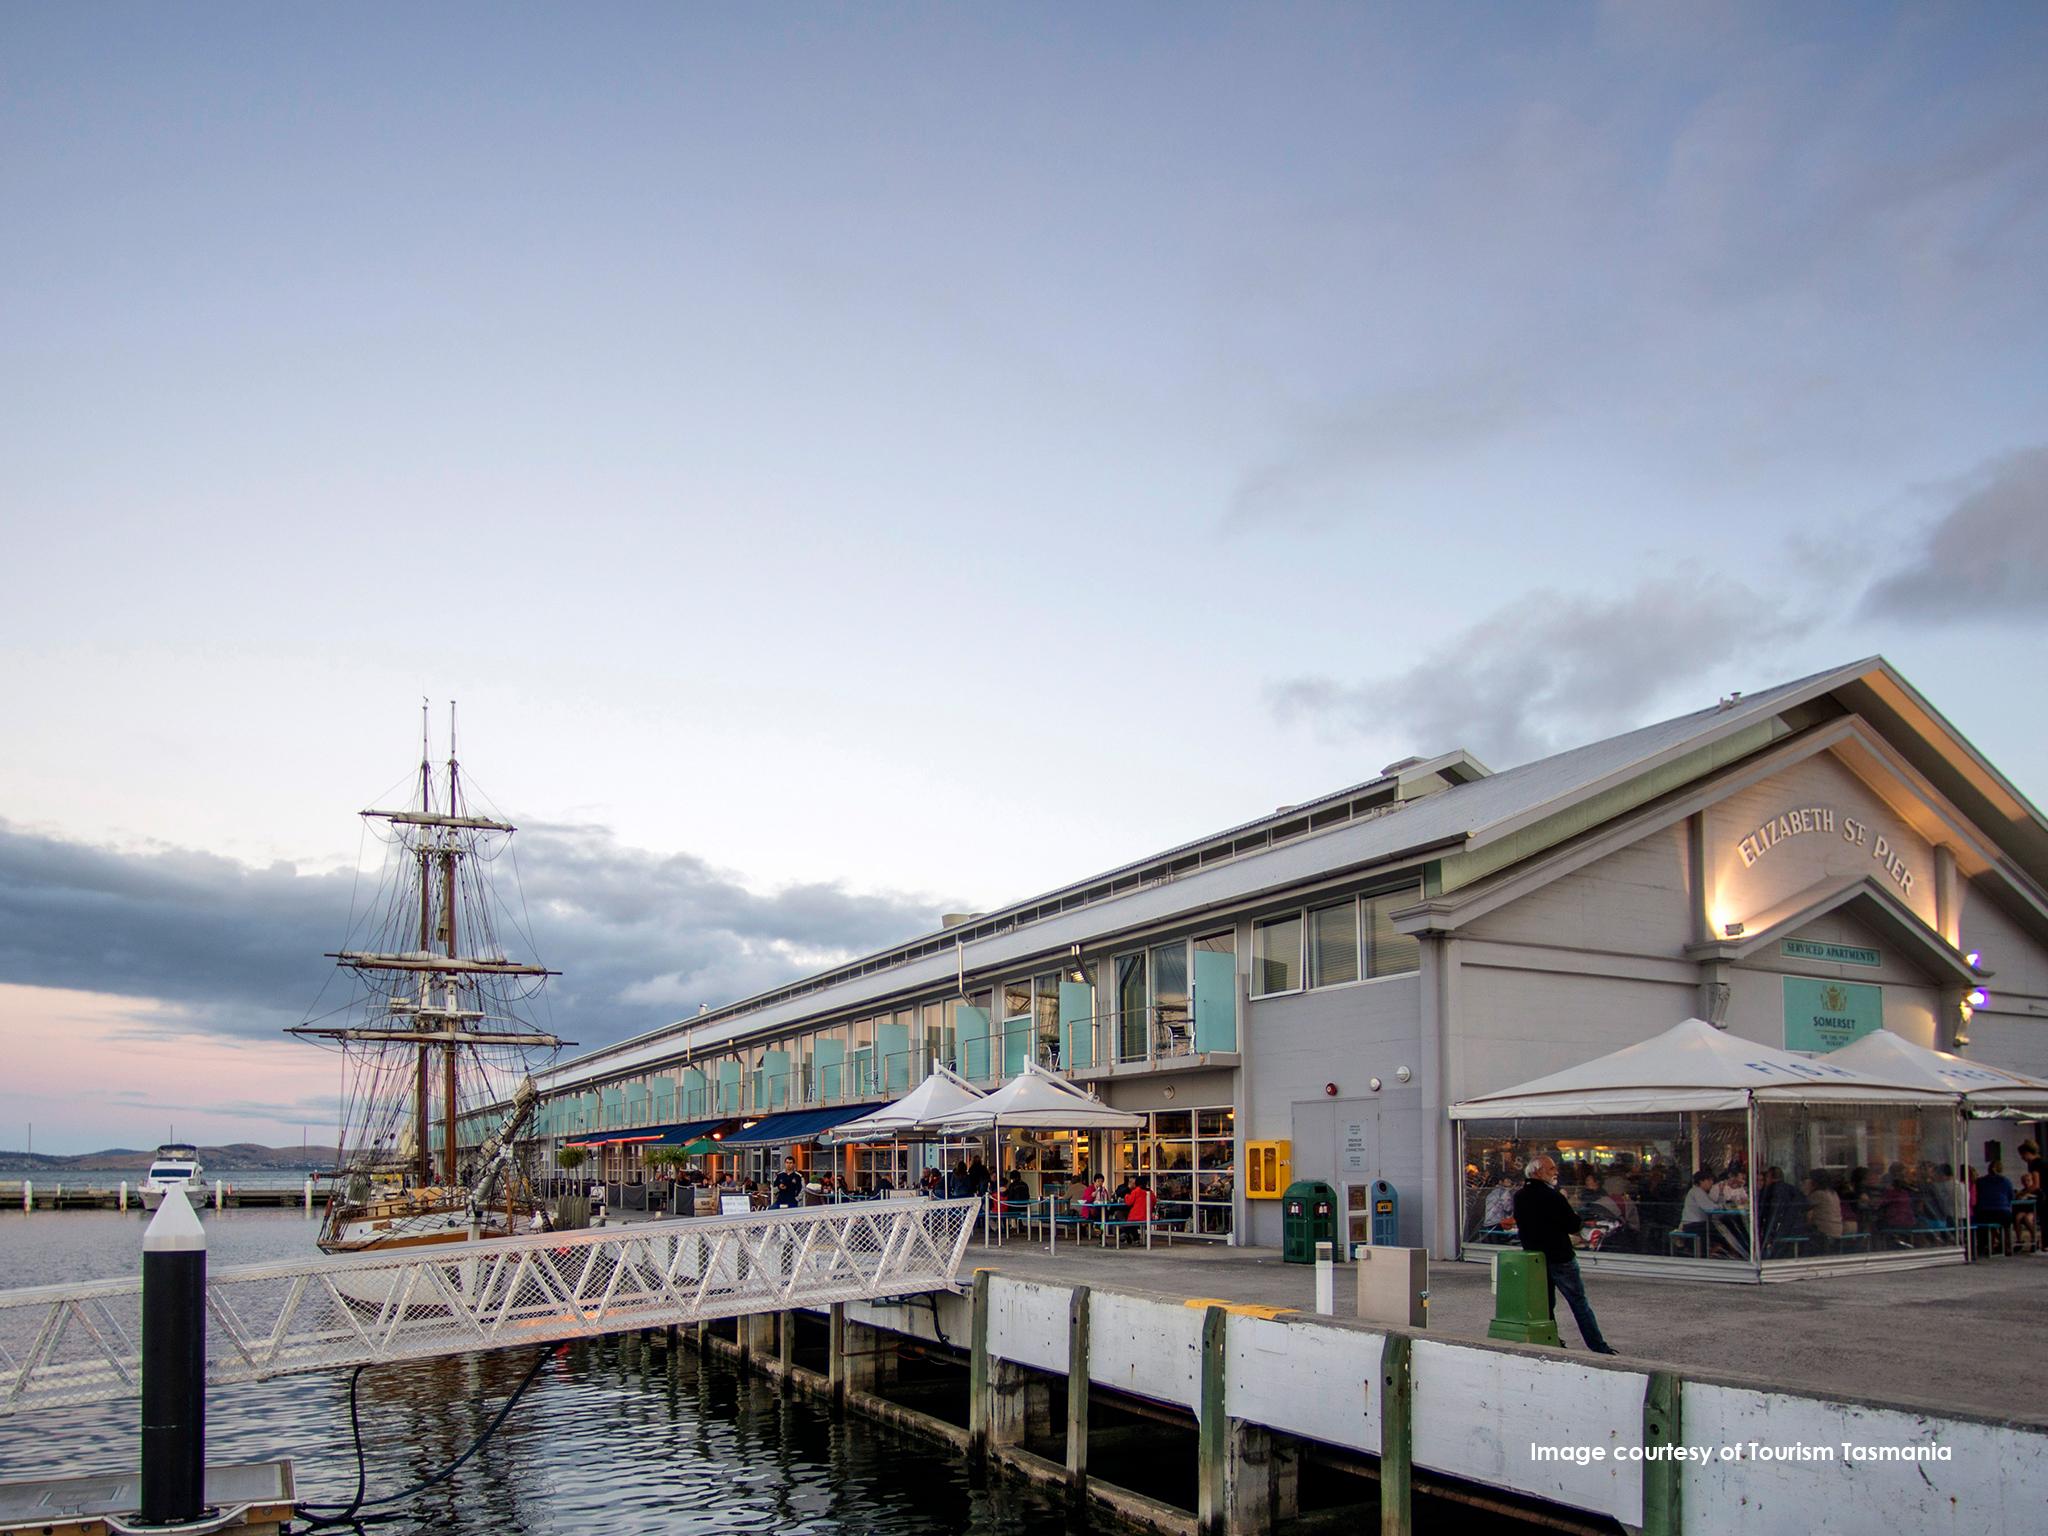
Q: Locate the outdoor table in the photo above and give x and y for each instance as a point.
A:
(1098, 1211)
(1732, 1223)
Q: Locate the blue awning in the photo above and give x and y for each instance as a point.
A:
(797, 1125)
(682, 1135)
(673, 1134)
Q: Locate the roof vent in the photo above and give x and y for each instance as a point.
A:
(1731, 700)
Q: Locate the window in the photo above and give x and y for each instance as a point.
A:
(1276, 955)
(939, 1041)
(1170, 998)
(1046, 1002)
(1388, 951)
(1333, 944)
(1133, 1011)
(863, 1058)
(1189, 1160)
(1016, 1027)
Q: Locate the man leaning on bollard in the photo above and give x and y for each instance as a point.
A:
(1546, 1224)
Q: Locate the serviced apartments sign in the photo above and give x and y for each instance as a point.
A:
(1823, 1015)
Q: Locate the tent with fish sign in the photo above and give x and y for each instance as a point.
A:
(1631, 1130)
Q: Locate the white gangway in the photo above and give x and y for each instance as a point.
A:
(82, 1343)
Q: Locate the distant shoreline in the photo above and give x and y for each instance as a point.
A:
(238, 1157)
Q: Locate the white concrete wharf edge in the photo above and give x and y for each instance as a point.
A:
(1472, 1411)
(82, 1343)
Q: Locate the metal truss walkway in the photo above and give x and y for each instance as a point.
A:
(82, 1343)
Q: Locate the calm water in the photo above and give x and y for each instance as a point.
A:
(593, 1444)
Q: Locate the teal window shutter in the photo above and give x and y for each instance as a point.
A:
(1077, 1024)
(893, 1041)
(828, 1060)
(974, 1057)
(1215, 1000)
(1016, 1045)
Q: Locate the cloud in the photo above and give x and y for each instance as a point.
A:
(1334, 462)
(1550, 671)
(229, 950)
(1985, 558)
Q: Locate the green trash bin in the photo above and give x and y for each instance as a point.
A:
(1521, 1300)
(1308, 1215)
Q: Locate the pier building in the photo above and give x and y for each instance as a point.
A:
(1307, 994)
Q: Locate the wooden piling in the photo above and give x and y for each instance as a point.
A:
(1077, 1393)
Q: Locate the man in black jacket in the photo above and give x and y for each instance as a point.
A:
(1546, 1224)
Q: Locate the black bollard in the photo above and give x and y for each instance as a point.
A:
(173, 1365)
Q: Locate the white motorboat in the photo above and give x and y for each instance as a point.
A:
(175, 1166)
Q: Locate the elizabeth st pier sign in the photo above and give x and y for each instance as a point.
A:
(1822, 820)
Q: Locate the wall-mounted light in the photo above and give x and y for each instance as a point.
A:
(1733, 930)
(1376, 1085)
(1978, 997)
(1402, 1074)
(1974, 959)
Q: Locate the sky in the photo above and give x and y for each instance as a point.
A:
(856, 463)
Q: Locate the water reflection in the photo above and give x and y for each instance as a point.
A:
(608, 1438)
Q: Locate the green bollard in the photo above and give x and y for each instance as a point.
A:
(1521, 1300)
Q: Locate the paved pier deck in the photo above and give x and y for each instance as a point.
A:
(1969, 1338)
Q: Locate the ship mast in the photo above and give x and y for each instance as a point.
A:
(448, 1051)
(436, 1016)
(420, 1144)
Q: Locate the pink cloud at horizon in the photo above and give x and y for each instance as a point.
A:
(90, 1070)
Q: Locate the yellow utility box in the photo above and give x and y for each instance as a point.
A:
(1269, 1169)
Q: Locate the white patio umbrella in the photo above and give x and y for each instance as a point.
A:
(1036, 1100)
(1983, 1092)
(940, 1094)
(942, 1091)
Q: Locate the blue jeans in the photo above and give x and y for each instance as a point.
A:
(1566, 1277)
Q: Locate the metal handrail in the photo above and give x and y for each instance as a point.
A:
(63, 1344)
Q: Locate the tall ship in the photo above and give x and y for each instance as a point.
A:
(438, 1027)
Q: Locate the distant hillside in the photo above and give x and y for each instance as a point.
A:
(237, 1157)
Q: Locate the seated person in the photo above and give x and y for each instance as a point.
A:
(1138, 1204)
(1779, 1209)
(1894, 1210)
(1823, 1210)
(1994, 1203)
(1015, 1190)
(1594, 1201)
(1499, 1215)
(1699, 1206)
(2033, 1184)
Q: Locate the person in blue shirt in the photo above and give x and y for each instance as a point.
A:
(1994, 1205)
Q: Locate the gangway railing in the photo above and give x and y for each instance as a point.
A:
(62, 1344)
